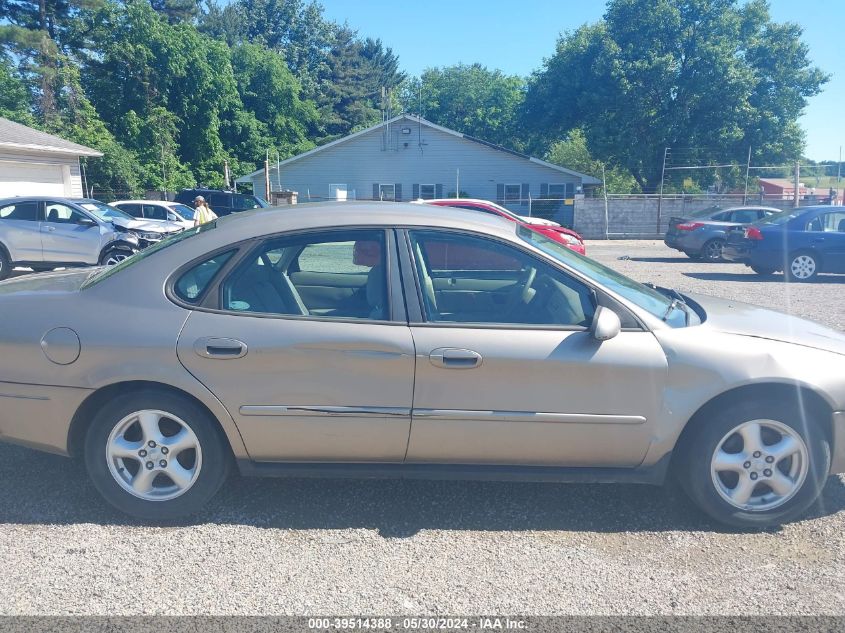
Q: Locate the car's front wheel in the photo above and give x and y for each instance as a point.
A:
(114, 256)
(155, 455)
(755, 465)
(762, 271)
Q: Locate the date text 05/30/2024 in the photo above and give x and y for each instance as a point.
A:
(417, 624)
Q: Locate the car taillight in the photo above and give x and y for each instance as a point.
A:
(753, 233)
(689, 226)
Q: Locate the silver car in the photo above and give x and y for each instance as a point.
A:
(368, 339)
(44, 233)
(703, 234)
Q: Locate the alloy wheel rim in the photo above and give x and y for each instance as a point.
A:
(154, 455)
(803, 267)
(759, 465)
(714, 250)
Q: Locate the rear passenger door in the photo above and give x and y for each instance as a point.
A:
(20, 232)
(308, 375)
(830, 241)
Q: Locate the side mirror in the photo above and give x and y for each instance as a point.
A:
(605, 325)
(86, 221)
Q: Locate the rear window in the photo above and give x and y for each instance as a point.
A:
(192, 285)
(21, 211)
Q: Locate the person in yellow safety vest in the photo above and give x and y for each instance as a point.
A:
(202, 212)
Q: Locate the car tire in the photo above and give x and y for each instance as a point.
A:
(712, 250)
(743, 448)
(763, 272)
(5, 264)
(802, 266)
(156, 455)
(695, 256)
(113, 256)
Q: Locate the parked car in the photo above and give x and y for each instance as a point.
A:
(801, 243)
(553, 230)
(158, 211)
(45, 233)
(222, 202)
(305, 342)
(702, 235)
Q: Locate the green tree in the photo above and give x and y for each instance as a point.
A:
(572, 153)
(177, 10)
(706, 77)
(15, 103)
(471, 99)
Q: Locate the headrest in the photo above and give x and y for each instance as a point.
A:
(366, 253)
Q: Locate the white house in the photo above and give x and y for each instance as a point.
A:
(407, 157)
(37, 163)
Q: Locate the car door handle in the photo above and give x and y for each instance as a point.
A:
(220, 348)
(817, 240)
(455, 358)
(50, 228)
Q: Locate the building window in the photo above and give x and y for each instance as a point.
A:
(513, 193)
(562, 191)
(387, 192)
(427, 192)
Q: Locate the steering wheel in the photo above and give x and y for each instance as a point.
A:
(523, 291)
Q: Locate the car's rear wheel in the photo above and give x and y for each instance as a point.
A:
(765, 272)
(114, 256)
(5, 265)
(802, 266)
(155, 455)
(755, 465)
(712, 250)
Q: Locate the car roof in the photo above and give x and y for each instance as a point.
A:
(164, 202)
(316, 215)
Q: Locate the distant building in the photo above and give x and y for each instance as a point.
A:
(783, 188)
(37, 163)
(407, 158)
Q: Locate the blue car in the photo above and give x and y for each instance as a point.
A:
(801, 243)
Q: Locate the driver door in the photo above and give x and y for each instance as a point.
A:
(507, 371)
(65, 238)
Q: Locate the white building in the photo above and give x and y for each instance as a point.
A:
(34, 163)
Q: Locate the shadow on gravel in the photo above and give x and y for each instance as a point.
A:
(751, 276)
(36, 488)
(665, 260)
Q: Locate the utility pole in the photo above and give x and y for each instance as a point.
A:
(458, 182)
(796, 196)
(267, 177)
(747, 169)
(606, 214)
(660, 198)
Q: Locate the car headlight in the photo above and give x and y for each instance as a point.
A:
(150, 237)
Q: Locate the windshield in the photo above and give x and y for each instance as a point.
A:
(103, 273)
(705, 212)
(656, 303)
(184, 211)
(781, 218)
(105, 212)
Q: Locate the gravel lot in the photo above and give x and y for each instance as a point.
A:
(388, 547)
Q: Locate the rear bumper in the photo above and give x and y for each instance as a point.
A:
(837, 450)
(686, 241)
(38, 416)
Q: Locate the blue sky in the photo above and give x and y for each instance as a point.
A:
(515, 36)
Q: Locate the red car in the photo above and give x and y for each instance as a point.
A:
(550, 229)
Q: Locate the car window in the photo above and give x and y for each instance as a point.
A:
(216, 199)
(132, 209)
(470, 279)
(340, 274)
(833, 222)
(186, 212)
(241, 202)
(192, 284)
(724, 216)
(27, 211)
(155, 212)
(745, 216)
(471, 208)
(57, 213)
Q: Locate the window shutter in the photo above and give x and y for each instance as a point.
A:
(525, 193)
(544, 190)
(375, 191)
(416, 191)
(438, 192)
(397, 188)
(500, 193)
